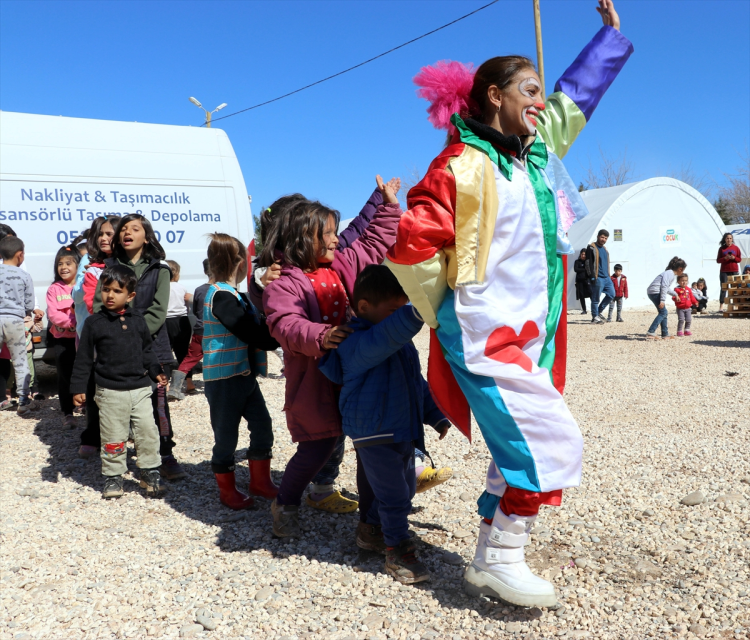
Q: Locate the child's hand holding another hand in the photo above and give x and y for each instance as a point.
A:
(162, 380)
(335, 336)
(79, 399)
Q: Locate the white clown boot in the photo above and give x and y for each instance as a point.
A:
(499, 569)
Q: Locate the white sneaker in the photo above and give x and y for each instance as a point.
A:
(499, 569)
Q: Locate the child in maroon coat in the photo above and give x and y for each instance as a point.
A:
(620, 283)
(684, 301)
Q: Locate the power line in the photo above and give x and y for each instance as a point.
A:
(357, 66)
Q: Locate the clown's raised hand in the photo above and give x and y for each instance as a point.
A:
(609, 16)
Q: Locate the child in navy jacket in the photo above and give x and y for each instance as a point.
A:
(384, 404)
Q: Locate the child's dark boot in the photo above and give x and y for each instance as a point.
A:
(151, 482)
(370, 537)
(113, 487)
(401, 562)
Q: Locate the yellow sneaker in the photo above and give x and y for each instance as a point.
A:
(430, 478)
(335, 503)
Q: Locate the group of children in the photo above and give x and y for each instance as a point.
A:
(118, 327)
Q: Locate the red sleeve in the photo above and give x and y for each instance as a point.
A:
(719, 256)
(625, 287)
(738, 259)
(429, 223)
(90, 280)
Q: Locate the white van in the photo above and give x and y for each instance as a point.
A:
(57, 174)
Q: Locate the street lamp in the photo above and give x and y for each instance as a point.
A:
(208, 113)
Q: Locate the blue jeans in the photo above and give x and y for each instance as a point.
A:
(661, 317)
(599, 286)
(230, 400)
(390, 471)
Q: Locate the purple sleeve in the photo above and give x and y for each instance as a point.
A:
(288, 320)
(370, 248)
(359, 225)
(593, 71)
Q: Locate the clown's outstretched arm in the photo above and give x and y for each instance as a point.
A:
(582, 85)
(417, 259)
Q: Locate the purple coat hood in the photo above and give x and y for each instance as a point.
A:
(293, 317)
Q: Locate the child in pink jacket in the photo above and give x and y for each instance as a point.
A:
(307, 309)
(61, 330)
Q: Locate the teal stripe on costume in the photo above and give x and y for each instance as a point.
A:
(504, 439)
(548, 214)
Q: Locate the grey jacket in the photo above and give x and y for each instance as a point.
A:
(16, 292)
(662, 285)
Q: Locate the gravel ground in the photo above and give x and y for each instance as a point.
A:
(661, 420)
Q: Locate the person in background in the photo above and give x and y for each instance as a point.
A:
(729, 257)
(125, 364)
(178, 324)
(684, 301)
(323, 494)
(231, 334)
(79, 244)
(380, 361)
(16, 302)
(135, 245)
(620, 284)
(307, 310)
(700, 296)
(90, 267)
(597, 269)
(61, 329)
(583, 288)
(195, 349)
(657, 292)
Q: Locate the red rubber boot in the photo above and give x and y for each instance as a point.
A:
(228, 493)
(260, 479)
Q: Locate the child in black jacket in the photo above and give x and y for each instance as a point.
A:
(125, 365)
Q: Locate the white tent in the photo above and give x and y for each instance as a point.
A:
(649, 222)
(741, 233)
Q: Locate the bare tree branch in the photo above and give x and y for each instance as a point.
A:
(733, 204)
(703, 183)
(412, 177)
(612, 171)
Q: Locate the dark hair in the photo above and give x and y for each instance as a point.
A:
(206, 268)
(95, 232)
(275, 211)
(376, 283)
(294, 232)
(152, 250)
(723, 242)
(225, 255)
(65, 252)
(683, 275)
(499, 71)
(581, 251)
(10, 246)
(618, 266)
(5, 230)
(676, 263)
(602, 232)
(122, 275)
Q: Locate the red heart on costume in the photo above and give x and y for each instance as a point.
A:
(504, 345)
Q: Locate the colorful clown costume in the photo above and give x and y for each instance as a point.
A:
(480, 253)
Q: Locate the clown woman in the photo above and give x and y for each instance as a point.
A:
(481, 254)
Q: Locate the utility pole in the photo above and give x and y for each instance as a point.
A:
(539, 54)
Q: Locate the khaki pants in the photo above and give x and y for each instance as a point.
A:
(13, 334)
(117, 411)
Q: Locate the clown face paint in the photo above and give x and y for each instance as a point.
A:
(530, 88)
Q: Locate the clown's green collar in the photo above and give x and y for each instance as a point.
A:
(537, 152)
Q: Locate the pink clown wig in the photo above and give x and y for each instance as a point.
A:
(446, 85)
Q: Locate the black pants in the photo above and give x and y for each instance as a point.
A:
(4, 375)
(65, 355)
(90, 436)
(179, 332)
(723, 275)
(161, 415)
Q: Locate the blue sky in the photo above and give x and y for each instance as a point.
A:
(682, 100)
